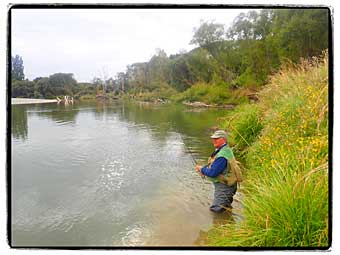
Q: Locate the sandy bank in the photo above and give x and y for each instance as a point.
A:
(32, 101)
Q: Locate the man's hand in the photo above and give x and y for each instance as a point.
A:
(198, 170)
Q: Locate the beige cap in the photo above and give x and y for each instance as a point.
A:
(219, 134)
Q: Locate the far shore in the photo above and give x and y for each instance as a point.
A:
(31, 101)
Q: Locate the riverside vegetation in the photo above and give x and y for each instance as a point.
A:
(283, 141)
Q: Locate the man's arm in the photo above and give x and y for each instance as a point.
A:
(216, 168)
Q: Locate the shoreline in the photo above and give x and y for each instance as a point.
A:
(15, 101)
(201, 104)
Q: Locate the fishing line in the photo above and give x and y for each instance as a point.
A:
(192, 156)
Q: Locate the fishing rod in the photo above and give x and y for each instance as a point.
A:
(192, 156)
(187, 149)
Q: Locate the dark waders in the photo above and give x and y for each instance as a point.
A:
(223, 197)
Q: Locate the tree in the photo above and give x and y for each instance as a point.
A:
(104, 75)
(300, 33)
(17, 68)
(180, 76)
(23, 88)
(202, 65)
(122, 81)
(98, 83)
(263, 24)
(207, 33)
(157, 68)
(43, 88)
(62, 83)
(242, 27)
(136, 75)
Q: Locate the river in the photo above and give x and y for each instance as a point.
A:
(110, 174)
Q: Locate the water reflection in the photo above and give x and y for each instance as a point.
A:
(193, 126)
(162, 120)
(19, 122)
(61, 114)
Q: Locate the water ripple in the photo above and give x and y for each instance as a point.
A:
(112, 175)
(135, 235)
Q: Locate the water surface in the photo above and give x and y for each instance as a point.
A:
(110, 174)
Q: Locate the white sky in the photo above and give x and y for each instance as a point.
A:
(86, 42)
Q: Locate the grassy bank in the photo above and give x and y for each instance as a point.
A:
(283, 142)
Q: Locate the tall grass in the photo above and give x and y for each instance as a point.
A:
(245, 125)
(286, 191)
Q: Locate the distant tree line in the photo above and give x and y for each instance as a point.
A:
(244, 55)
(254, 47)
(46, 87)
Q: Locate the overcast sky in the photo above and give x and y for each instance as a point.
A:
(90, 42)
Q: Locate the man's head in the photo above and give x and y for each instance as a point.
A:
(219, 138)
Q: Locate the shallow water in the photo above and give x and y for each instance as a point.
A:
(110, 174)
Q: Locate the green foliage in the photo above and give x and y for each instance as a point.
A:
(17, 72)
(157, 67)
(300, 32)
(243, 26)
(245, 125)
(286, 190)
(207, 33)
(159, 91)
(207, 93)
(246, 79)
(137, 76)
(24, 89)
(62, 83)
(202, 65)
(267, 38)
(42, 87)
(85, 91)
(180, 76)
(252, 25)
(87, 97)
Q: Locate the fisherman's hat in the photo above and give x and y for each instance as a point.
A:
(219, 134)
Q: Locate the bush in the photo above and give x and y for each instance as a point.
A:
(249, 79)
(87, 97)
(207, 93)
(157, 91)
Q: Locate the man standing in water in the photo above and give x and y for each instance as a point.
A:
(224, 180)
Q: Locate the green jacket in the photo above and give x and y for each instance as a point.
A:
(226, 153)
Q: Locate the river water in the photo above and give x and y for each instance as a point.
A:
(110, 174)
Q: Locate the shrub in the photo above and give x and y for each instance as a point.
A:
(207, 93)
